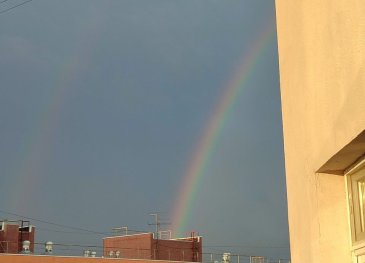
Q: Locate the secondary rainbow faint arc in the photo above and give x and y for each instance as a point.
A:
(28, 175)
(203, 151)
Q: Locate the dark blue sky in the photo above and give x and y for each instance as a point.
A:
(103, 103)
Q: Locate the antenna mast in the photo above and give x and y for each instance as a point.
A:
(157, 223)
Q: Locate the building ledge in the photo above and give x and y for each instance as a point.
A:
(346, 157)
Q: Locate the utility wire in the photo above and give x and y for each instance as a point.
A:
(54, 224)
(87, 233)
(106, 233)
(235, 246)
(15, 6)
(72, 246)
(3, 1)
(64, 232)
(66, 226)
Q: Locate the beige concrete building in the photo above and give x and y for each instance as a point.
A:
(322, 78)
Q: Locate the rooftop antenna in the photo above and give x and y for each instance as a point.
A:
(165, 234)
(118, 230)
(157, 223)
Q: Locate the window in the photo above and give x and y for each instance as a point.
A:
(356, 199)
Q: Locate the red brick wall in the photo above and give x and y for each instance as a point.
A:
(28, 233)
(9, 239)
(179, 250)
(135, 246)
(145, 247)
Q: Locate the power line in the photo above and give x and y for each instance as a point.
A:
(75, 247)
(238, 246)
(214, 247)
(87, 233)
(66, 226)
(3, 1)
(54, 224)
(15, 6)
(64, 232)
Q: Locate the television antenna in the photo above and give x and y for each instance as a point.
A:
(157, 223)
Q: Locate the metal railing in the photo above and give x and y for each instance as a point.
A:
(239, 258)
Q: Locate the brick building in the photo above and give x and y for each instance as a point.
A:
(15, 234)
(12, 258)
(12, 235)
(145, 246)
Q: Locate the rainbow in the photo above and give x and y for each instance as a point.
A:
(30, 172)
(200, 158)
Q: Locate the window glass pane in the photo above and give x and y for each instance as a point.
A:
(361, 196)
(356, 183)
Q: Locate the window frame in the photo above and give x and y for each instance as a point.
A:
(353, 175)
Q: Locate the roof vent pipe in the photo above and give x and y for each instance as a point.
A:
(117, 254)
(48, 248)
(26, 245)
(86, 253)
(226, 258)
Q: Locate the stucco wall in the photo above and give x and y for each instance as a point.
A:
(322, 78)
